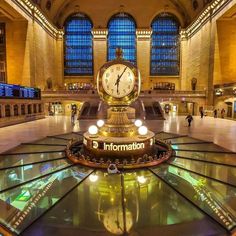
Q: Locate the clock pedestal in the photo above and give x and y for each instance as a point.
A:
(118, 141)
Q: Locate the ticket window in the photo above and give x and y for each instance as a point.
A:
(22, 109)
(16, 112)
(7, 110)
(29, 109)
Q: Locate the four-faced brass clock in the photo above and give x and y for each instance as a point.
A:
(118, 82)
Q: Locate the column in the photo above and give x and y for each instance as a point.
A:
(59, 56)
(99, 49)
(183, 61)
(19, 109)
(2, 110)
(143, 56)
(11, 109)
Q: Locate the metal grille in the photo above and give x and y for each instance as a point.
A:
(2, 53)
(122, 33)
(165, 46)
(78, 47)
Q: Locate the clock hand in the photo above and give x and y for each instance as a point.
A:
(122, 72)
(118, 79)
(117, 83)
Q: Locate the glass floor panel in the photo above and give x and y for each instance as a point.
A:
(107, 207)
(132, 203)
(226, 174)
(70, 136)
(200, 147)
(23, 148)
(52, 140)
(152, 203)
(7, 161)
(186, 140)
(214, 198)
(14, 176)
(22, 205)
(93, 208)
(163, 135)
(222, 158)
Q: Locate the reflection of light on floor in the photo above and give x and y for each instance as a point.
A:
(141, 179)
(93, 178)
(167, 126)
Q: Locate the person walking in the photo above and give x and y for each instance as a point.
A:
(215, 113)
(73, 116)
(190, 119)
(202, 113)
(222, 113)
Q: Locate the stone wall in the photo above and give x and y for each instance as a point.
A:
(33, 54)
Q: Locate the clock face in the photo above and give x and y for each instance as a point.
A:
(118, 80)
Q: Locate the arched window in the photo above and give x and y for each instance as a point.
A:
(165, 45)
(78, 46)
(122, 33)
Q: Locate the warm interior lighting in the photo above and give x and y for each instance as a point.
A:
(100, 123)
(142, 130)
(93, 129)
(138, 123)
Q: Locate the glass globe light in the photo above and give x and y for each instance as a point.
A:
(138, 123)
(142, 130)
(100, 123)
(93, 129)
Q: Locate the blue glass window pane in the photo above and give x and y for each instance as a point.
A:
(122, 33)
(165, 46)
(78, 58)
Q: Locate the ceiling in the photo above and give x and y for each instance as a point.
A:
(143, 11)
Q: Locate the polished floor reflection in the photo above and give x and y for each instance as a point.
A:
(43, 193)
(219, 131)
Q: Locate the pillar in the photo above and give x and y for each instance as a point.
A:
(143, 56)
(183, 61)
(99, 49)
(59, 56)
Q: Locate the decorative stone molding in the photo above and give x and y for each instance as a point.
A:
(211, 10)
(144, 34)
(36, 14)
(100, 34)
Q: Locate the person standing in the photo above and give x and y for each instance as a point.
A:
(222, 113)
(202, 113)
(215, 113)
(190, 119)
(73, 116)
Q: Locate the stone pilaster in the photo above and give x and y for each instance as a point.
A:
(143, 56)
(99, 48)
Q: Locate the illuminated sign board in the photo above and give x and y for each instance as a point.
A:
(117, 147)
(18, 92)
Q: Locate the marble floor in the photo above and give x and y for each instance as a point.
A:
(219, 131)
